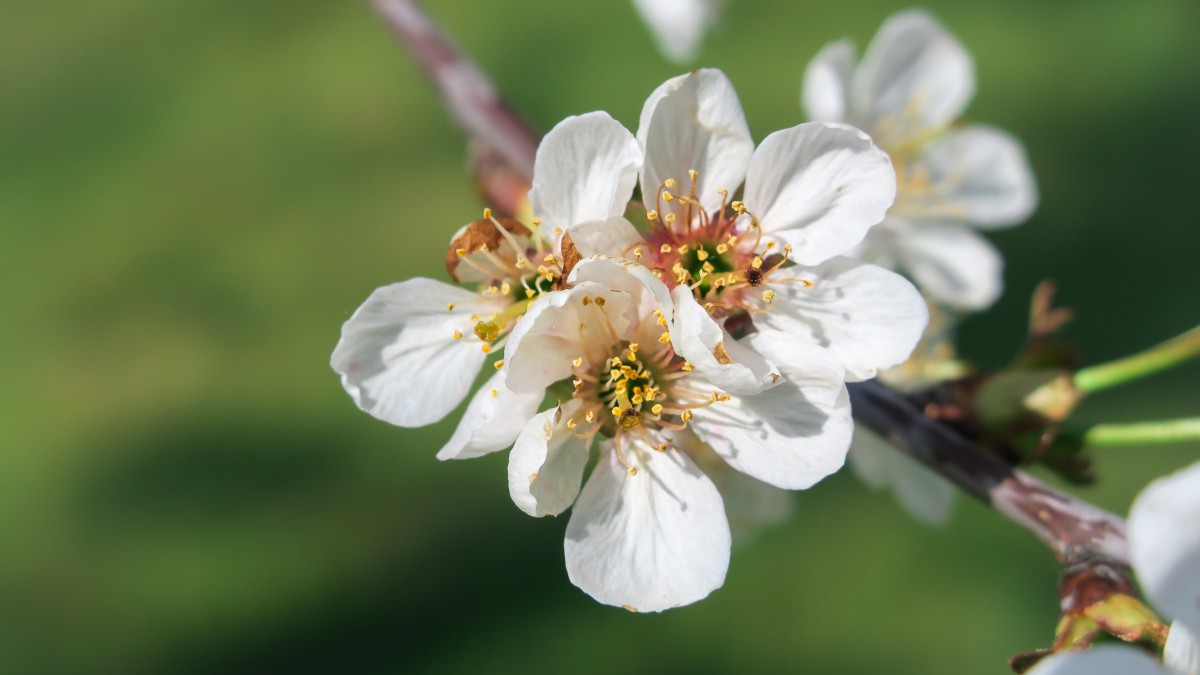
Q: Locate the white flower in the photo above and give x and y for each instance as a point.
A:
(410, 353)
(1164, 542)
(679, 26)
(912, 84)
(812, 192)
(649, 531)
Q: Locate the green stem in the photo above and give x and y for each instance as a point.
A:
(1157, 358)
(1141, 433)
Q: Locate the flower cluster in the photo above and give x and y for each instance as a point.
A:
(716, 338)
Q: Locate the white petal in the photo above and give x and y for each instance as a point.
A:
(867, 317)
(1182, 651)
(977, 174)
(924, 495)
(546, 465)
(585, 170)
(694, 121)
(614, 236)
(551, 334)
(493, 420)
(791, 435)
(819, 187)
(678, 26)
(647, 291)
(750, 504)
(1164, 544)
(648, 542)
(951, 263)
(717, 356)
(398, 357)
(914, 77)
(827, 82)
(1102, 660)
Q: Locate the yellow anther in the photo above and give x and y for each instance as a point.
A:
(687, 367)
(721, 248)
(723, 192)
(549, 260)
(536, 222)
(768, 295)
(670, 182)
(495, 393)
(662, 447)
(637, 253)
(665, 248)
(665, 337)
(633, 347)
(577, 362)
(701, 254)
(487, 331)
(615, 374)
(787, 248)
(632, 472)
(558, 231)
(487, 214)
(738, 206)
(590, 416)
(586, 301)
(616, 412)
(499, 364)
(449, 306)
(578, 384)
(521, 263)
(505, 288)
(686, 416)
(543, 270)
(529, 293)
(599, 301)
(807, 283)
(670, 218)
(684, 249)
(460, 252)
(758, 263)
(770, 245)
(692, 174)
(484, 247)
(662, 321)
(657, 409)
(652, 215)
(571, 423)
(457, 335)
(486, 347)
(637, 399)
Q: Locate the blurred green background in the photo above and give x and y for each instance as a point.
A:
(195, 195)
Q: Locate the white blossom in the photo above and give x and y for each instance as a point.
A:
(648, 528)
(908, 91)
(679, 26)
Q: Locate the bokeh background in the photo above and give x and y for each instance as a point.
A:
(195, 195)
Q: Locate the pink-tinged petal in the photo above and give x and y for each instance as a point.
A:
(865, 316)
(493, 420)
(398, 357)
(925, 495)
(585, 170)
(545, 468)
(717, 357)
(1164, 543)
(978, 175)
(819, 187)
(678, 26)
(826, 94)
(551, 333)
(694, 121)
(914, 77)
(648, 542)
(1102, 660)
(791, 435)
